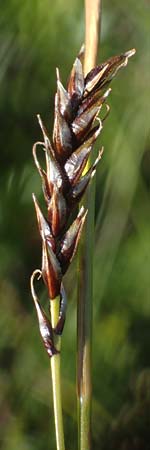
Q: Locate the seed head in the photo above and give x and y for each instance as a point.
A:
(76, 128)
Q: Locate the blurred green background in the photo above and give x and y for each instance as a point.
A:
(36, 36)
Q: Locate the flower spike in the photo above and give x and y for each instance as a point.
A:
(77, 126)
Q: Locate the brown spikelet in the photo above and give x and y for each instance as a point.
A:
(76, 128)
(44, 323)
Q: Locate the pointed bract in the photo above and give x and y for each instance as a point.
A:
(94, 99)
(70, 240)
(76, 163)
(44, 131)
(81, 54)
(62, 137)
(64, 103)
(44, 227)
(42, 172)
(53, 172)
(76, 81)
(101, 75)
(78, 190)
(44, 324)
(51, 270)
(34, 150)
(94, 78)
(82, 123)
(57, 212)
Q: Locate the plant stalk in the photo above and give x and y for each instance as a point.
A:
(85, 268)
(56, 379)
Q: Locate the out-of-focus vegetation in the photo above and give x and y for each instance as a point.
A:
(35, 37)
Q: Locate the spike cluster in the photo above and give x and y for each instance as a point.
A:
(75, 131)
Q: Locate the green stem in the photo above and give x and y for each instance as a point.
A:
(85, 275)
(84, 328)
(56, 379)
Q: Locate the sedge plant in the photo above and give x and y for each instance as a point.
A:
(77, 124)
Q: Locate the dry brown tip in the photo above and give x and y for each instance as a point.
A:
(130, 53)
